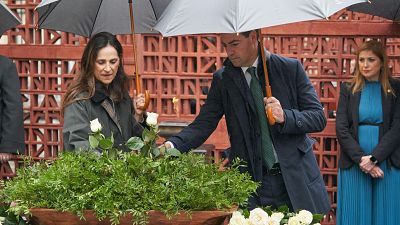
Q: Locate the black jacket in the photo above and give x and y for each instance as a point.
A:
(11, 114)
(347, 127)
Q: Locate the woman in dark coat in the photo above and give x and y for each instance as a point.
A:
(101, 92)
(368, 127)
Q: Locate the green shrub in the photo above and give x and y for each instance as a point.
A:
(128, 182)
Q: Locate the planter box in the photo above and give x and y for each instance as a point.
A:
(53, 217)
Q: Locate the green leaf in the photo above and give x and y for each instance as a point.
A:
(148, 135)
(134, 143)
(283, 209)
(105, 144)
(94, 143)
(112, 138)
(318, 217)
(145, 150)
(172, 152)
(162, 149)
(156, 152)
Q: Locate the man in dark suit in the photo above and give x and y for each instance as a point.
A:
(293, 178)
(11, 115)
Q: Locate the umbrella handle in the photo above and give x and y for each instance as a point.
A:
(138, 83)
(271, 119)
(146, 100)
(270, 116)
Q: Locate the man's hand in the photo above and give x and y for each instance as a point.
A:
(223, 164)
(4, 157)
(366, 164)
(376, 172)
(276, 108)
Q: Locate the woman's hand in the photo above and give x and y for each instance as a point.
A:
(138, 103)
(376, 172)
(366, 164)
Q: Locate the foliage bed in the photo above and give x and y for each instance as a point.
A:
(126, 183)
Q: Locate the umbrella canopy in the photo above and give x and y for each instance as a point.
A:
(235, 16)
(389, 9)
(88, 17)
(7, 18)
(231, 16)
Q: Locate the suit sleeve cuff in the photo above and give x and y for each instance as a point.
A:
(170, 143)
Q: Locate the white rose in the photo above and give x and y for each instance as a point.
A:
(95, 125)
(258, 216)
(238, 219)
(151, 119)
(294, 221)
(317, 224)
(305, 217)
(277, 216)
(272, 222)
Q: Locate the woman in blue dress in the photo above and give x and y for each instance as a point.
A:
(368, 130)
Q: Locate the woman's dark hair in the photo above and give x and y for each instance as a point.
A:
(86, 81)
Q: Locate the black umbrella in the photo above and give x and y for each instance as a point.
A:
(389, 9)
(7, 19)
(88, 17)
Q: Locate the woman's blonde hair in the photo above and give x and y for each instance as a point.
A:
(377, 48)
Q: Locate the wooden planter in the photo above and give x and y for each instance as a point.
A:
(53, 217)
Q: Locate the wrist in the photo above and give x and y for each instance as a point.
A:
(373, 159)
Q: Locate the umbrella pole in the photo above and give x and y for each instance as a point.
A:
(137, 79)
(271, 119)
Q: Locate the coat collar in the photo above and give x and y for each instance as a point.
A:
(102, 97)
(236, 75)
(100, 93)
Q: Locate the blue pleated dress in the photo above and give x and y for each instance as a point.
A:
(363, 200)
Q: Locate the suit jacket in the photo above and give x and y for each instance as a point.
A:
(11, 114)
(229, 95)
(347, 128)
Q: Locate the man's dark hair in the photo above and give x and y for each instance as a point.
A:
(247, 33)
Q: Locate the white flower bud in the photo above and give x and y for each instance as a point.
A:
(151, 119)
(95, 125)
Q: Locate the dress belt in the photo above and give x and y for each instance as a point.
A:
(369, 124)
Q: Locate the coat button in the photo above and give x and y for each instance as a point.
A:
(299, 123)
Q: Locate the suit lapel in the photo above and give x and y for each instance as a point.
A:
(243, 105)
(237, 76)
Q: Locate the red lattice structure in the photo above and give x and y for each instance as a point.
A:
(182, 67)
